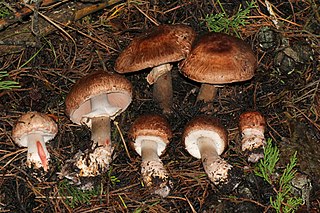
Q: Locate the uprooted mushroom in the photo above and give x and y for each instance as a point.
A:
(33, 130)
(252, 125)
(150, 134)
(94, 100)
(206, 139)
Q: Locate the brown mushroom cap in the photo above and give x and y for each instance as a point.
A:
(159, 45)
(153, 127)
(117, 88)
(252, 120)
(33, 122)
(219, 58)
(204, 126)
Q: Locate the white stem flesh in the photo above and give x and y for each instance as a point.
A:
(154, 174)
(99, 160)
(102, 110)
(149, 150)
(37, 155)
(207, 151)
(101, 131)
(215, 167)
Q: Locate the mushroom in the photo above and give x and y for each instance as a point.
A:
(151, 134)
(33, 130)
(217, 59)
(252, 125)
(204, 137)
(156, 49)
(94, 100)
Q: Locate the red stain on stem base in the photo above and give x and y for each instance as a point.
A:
(42, 156)
(107, 142)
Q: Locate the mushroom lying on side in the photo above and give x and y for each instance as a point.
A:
(150, 135)
(156, 49)
(204, 137)
(94, 100)
(33, 130)
(252, 125)
(217, 59)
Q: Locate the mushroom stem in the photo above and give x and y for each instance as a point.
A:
(99, 160)
(216, 168)
(162, 88)
(207, 93)
(253, 141)
(162, 92)
(155, 176)
(38, 154)
(207, 150)
(100, 133)
(100, 125)
(149, 150)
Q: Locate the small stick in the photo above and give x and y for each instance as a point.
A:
(122, 138)
(148, 17)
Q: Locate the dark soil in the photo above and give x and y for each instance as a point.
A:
(285, 89)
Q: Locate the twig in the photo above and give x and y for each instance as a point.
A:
(147, 16)
(92, 38)
(62, 30)
(16, 153)
(25, 12)
(16, 39)
(191, 206)
(122, 138)
(240, 200)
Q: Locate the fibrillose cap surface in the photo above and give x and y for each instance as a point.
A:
(150, 127)
(252, 120)
(204, 126)
(218, 58)
(117, 88)
(33, 122)
(160, 45)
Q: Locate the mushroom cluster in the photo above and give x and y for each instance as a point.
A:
(99, 97)
(33, 130)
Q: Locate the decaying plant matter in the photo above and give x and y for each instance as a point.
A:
(285, 90)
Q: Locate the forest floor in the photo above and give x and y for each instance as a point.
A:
(285, 89)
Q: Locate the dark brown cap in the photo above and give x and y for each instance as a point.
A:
(204, 126)
(159, 45)
(153, 127)
(117, 88)
(219, 58)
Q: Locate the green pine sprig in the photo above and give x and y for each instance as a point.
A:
(284, 201)
(221, 22)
